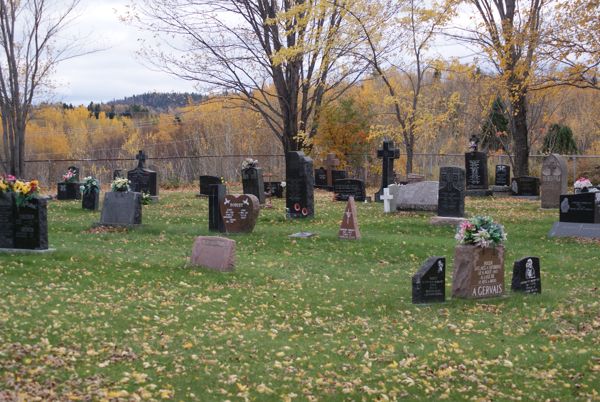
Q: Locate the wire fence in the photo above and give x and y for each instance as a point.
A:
(184, 170)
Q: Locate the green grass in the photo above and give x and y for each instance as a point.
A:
(117, 315)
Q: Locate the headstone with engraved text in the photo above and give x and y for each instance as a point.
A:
(429, 283)
(554, 180)
(526, 276)
(300, 202)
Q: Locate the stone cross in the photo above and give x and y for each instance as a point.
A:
(386, 198)
(141, 157)
(330, 163)
(388, 153)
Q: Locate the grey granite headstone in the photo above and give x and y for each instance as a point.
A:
(554, 180)
(121, 208)
(421, 196)
(573, 229)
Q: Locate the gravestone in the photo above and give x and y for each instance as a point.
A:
(388, 199)
(580, 208)
(331, 162)
(525, 186)
(526, 276)
(121, 208)
(429, 283)
(216, 253)
(143, 180)
(349, 228)
(118, 174)
(321, 178)
(31, 225)
(346, 188)
(206, 182)
(7, 220)
(478, 272)
(274, 188)
(502, 175)
(476, 170)
(338, 175)
(216, 195)
(414, 178)
(90, 200)
(451, 193)
(252, 182)
(240, 213)
(420, 196)
(554, 180)
(300, 202)
(387, 154)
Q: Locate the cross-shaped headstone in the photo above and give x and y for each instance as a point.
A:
(388, 153)
(330, 163)
(386, 198)
(141, 157)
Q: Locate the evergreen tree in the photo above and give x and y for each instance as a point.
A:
(559, 140)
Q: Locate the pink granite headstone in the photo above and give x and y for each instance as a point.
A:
(217, 253)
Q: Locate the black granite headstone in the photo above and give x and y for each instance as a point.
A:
(429, 283)
(526, 186)
(252, 183)
(121, 208)
(69, 191)
(90, 200)
(143, 180)
(580, 208)
(274, 188)
(216, 196)
(387, 153)
(300, 185)
(7, 220)
(321, 178)
(205, 183)
(526, 275)
(117, 174)
(31, 225)
(345, 188)
(451, 192)
(476, 170)
(502, 175)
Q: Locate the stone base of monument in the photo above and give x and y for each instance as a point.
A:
(25, 251)
(526, 197)
(573, 229)
(446, 220)
(154, 199)
(501, 191)
(479, 192)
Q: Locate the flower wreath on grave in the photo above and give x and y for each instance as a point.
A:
(583, 184)
(248, 163)
(481, 231)
(90, 184)
(25, 191)
(120, 184)
(69, 177)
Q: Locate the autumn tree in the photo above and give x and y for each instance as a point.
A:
(284, 58)
(30, 48)
(399, 39)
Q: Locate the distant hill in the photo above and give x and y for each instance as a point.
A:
(160, 101)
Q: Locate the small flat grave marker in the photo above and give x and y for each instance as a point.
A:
(240, 213)
(216, 253)
(526, 276)
(429, 283)
(302, 235)
(349, 228)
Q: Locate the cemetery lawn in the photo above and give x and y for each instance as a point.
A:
(116, 315)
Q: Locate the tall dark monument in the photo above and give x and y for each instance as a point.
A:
(387, 153)
(451, 192)
(299, 198)
(143, 180)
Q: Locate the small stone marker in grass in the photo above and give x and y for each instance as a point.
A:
(349, 228)
(526, 276)
(429, 283)
(216, 253)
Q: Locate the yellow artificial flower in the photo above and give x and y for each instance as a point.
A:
(3, 186)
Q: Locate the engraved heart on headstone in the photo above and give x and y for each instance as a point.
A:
(240, 213)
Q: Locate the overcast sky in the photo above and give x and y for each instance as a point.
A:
(113, 73)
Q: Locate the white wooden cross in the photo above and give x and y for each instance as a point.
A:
(386, 197)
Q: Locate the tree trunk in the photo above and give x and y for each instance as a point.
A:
(520, 135)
